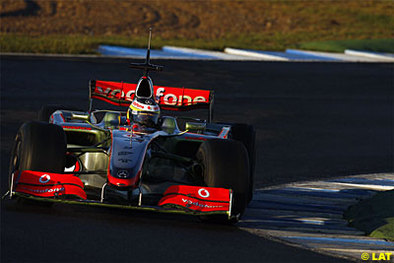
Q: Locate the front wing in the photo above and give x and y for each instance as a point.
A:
(68, 188)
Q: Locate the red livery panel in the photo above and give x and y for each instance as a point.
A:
(202, 199)
(44, 184)
(169, 98)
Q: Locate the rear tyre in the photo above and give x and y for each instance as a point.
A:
(38, 146)
(225, 164)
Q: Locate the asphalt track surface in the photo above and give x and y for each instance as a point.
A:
(313, 121)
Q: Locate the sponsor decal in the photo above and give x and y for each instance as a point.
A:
(166, 96)
(196, 203)
(122, 173)
(45, 178)
(173, 100)
(138, 105)
(203, 199)
(114, 92)
(42, 184)
(125, 153)
(51, 190)
(195, 138)
(124, 160)
(123, 182)
(203, 193)
(76, 128)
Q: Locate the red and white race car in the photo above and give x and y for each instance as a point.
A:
(111, 158)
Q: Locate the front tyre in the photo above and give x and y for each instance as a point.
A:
(225, 164)
(38, 146)
(246, 134)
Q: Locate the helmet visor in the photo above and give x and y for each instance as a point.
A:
(145, 118)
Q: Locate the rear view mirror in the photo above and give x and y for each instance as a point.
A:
(196, 127)
(80, 116)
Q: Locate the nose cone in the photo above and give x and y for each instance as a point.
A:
(144, 88)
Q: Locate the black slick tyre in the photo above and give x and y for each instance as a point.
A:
(38, 146)
(225, 164)
(246, 134)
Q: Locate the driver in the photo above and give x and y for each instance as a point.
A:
(143, 113)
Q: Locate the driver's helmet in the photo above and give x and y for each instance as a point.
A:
(144, 112)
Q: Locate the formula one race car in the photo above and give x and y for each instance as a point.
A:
(137, 158)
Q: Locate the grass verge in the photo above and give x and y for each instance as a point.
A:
(375, 45)
(82, 44)
(78, 27)
(374, 216)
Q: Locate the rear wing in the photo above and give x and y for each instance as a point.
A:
(169, 98)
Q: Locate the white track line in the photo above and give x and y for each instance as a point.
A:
(335, 56)
(209, 53)
(369, 55)
(248, 53)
